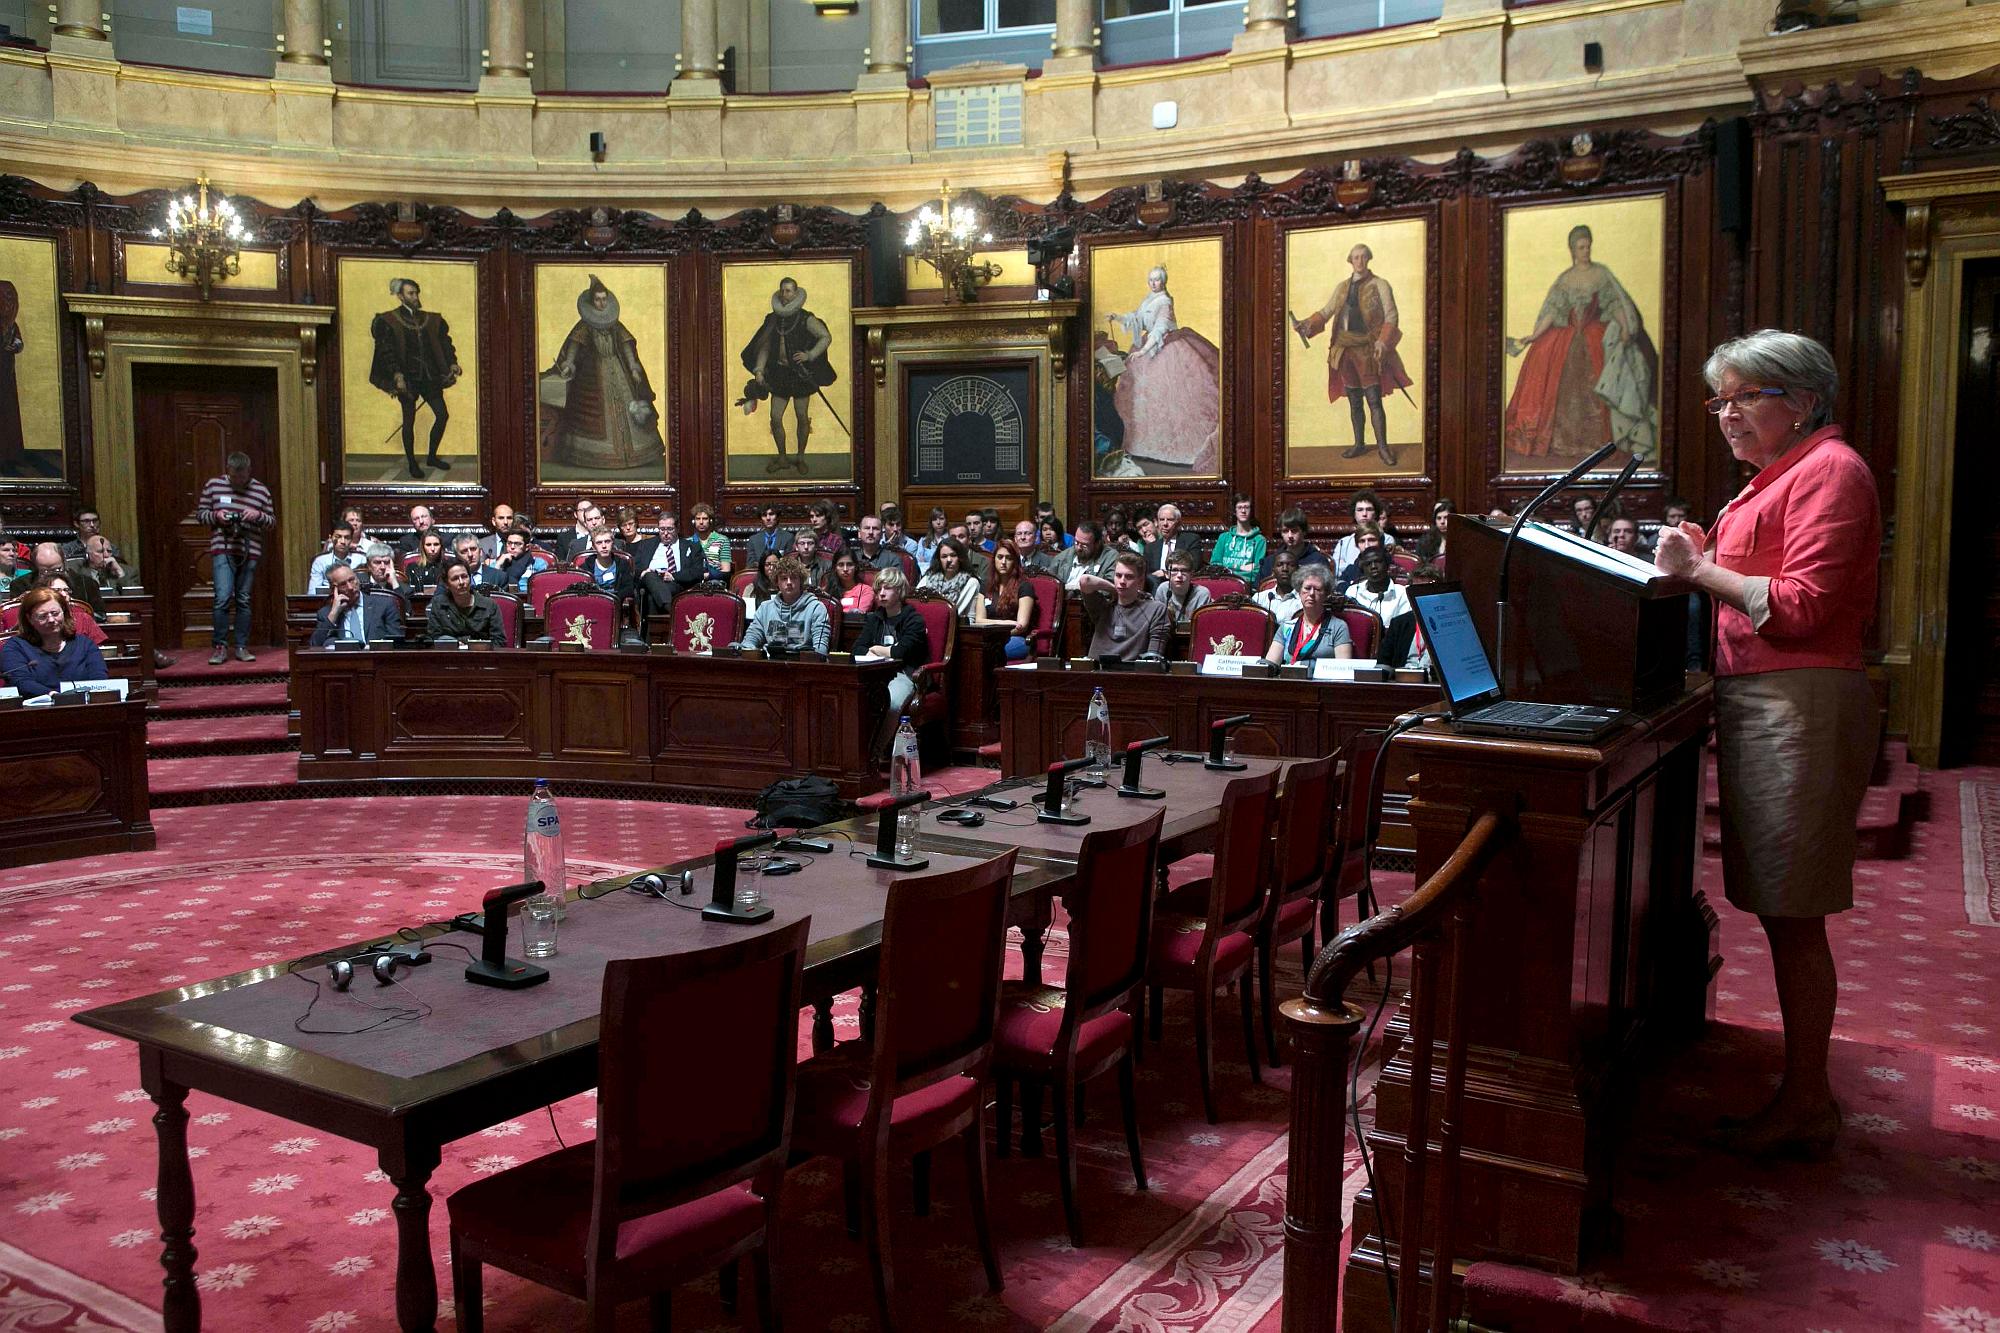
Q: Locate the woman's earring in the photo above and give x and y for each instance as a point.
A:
(1798, 427)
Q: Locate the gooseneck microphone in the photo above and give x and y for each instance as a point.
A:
(1135, 752)
(1507, 548)
(722, 901)
(1610, 494)
(888, 815)
(493, 967)
(1052, 795)
(1218, 744)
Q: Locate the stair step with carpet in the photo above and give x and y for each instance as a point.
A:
(182, 737)
(206, 774)
(267, 696)
(192, 668)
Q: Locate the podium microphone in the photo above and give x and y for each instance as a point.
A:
(1507, 547)
(1218, 744)
(722, 902)
(1135, 752)
(888, 814)
(1610, 494)
(493, 967)
(1052, 795)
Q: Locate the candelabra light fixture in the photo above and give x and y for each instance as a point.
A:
(204, 237)
(943, 237)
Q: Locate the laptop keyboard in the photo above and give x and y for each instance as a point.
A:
(1510, 713)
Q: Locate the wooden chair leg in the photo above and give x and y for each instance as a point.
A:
(725, 1283)
(1003, 1114)
(1066, 1168)
(1307, 951)
(1138, 1012)
(1204, 1031)
(762, 1272)
(920, 1183)
(660, 1312)
(1128, 1100)
(1031, 1118)
(1243, 998)
(600, 1316)
(1078, 1118)
(1266, 971)
(1158, 1000)
(467, 1287)
(975, 1184)
(850, 1190)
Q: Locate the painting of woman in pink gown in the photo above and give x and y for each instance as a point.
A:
(1165, 389)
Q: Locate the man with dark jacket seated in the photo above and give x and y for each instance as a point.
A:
(610, 573)
(348, 616)
(457, 612)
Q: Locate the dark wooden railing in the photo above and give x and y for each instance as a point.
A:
(1322, 1026)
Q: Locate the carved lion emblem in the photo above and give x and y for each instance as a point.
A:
(1228, 646)
(701, 632)
(578, 632)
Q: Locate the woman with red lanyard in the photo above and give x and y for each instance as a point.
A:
(1316, 631)
(1791, 567)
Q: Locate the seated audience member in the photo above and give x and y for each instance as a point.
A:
(1045, 513)
(673, 565)
(768, 537)
(1179, 593)
(976, 560)
(1293, 528)
(1126, 623)
(1403, 642)
(517, 564)
(339, 551)
(1050, 543)
(989, 529)
(1242, 548)
(764, 586)
(827, 538)
(1026, 542)
(574, 541)
(1088, 554)
(806, 550)
(1117, 527)
(88, 525)
(495, 539)
(457, 612)
(843, 583)
(1367, 537)
(870, 550)
(625, 529)
(1167, 540)
(609, 571)
(793, 619)
(465, 550)
(47, 559)
(1430, 546)
(1366, 509)
(382, 575)
(420, 523)
(1376, 592)
(895, 538)
(1675, 512)
(1142, 532)
(1499, 517)
(936, 530)
(1006, 601)
(100, 565)
(717, 559)
(1316, 631)
(47, 652)
(894, 629)
(72, 593)
(348, 615)
(357, 535)
(425, 575)
(1623, 535)
(1281, 599)
(951, 578)
(12, 565)
(1582, 510)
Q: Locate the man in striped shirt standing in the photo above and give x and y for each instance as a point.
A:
(237, 512)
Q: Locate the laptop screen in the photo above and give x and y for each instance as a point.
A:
(1455, 646)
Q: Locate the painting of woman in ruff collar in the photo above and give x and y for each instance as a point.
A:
(600, 415)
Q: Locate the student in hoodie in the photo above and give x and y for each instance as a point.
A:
(792, 617)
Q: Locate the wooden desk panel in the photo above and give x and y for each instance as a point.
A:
(76, 778)
(723, 724)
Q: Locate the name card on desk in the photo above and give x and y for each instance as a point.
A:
(89, 687)
(1339, 668)
(1228, 664)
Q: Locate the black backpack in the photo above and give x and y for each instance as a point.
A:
(798, 803)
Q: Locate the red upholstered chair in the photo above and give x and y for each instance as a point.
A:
(1059, 1038)
(1202, 935)
(1362, 627)
(657, 1199)
(1049, 607)
(831, 605)
(909, 566)
(919, 1079)
(867, 575)
(548, 583)
(741, 580)
(10, 617)
(582, 615)
(545, 553)
(1300, 859)
(932, 702)
(1356, 825)
(412, 560)
(1234, 626)
(705, 618)
(1220, 582)
(509, 607)
(1402, 563)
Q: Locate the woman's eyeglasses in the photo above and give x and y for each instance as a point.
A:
(1742, 398)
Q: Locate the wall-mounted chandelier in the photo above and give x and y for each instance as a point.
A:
(204, 236)
(943, 237)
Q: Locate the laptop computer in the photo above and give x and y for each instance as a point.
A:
(1478, 704)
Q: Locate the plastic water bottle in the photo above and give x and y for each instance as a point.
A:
(1097, 731)
(905, 776)
(542, 845)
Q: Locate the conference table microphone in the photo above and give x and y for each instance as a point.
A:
(888, 816)
(1507, 547)
(493, 967)
(722, 905)
(1218, 744)
(1134, 752)
(1052, 795)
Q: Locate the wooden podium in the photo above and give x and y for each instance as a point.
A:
(1591, 936)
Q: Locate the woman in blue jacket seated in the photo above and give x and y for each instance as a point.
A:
(48, 652)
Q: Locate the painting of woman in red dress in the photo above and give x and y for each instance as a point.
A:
(1590, 374)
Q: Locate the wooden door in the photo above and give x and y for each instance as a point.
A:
(190, 418)
(1971, 731)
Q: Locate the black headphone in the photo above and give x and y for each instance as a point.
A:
(655, 885)
(382, 964)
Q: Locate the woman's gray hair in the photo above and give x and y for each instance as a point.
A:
(1780, 360)
(892, 578)
(1315, 571)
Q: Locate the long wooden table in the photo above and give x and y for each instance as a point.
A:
(481, 1056)
(75, 777)
(717, 724)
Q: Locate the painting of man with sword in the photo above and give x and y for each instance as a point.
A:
(1361, 359)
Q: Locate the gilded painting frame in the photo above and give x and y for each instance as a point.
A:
(582, 438)
(35, 414)
(762, 414)
(1144, 426)
(372, 415)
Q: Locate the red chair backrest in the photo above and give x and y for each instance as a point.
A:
(543, 553)
(582, 615)
(831, 605)
(747, 992)
(742, 579)
(10, 617)
(1401, 560)
(1242, 834)
(1355, 822)
(1362, 628)
(940, 624)
(909, 566)
(509, 607)
(1110, 917)
(701, 622)
(1220, 585)
(1303, 850)
(868, 573)
(412, 560)
(944, 941)
(548, 583)
(1233, 628)
(86, 623)
(1049, 606)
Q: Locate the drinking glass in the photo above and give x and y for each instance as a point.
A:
(538, 927)
(750, 884)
